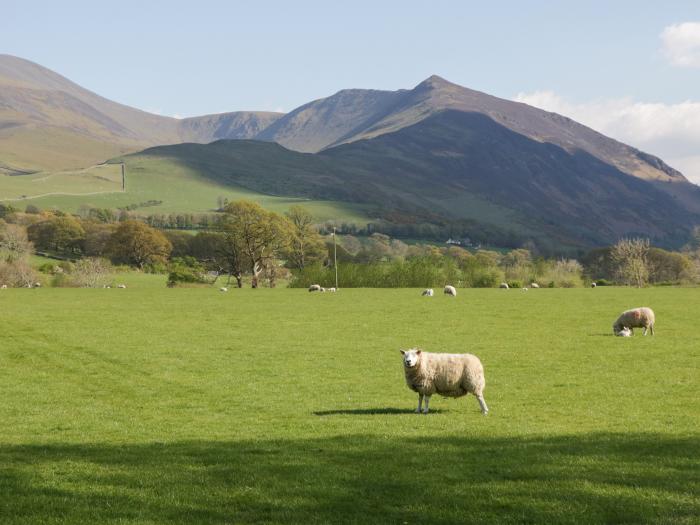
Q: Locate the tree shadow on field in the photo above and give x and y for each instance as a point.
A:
(374, 411)
(599, 478)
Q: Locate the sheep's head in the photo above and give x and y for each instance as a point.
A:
(410, 357)
(624, 332)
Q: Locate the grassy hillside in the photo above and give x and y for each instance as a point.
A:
(267, 409)
(182, 189)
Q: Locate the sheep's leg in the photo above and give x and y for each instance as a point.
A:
(645, 331)
(651, 326)
(427, 402)
(420, 403)
(482, 404)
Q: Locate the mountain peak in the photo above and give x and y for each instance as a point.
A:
(434, 82)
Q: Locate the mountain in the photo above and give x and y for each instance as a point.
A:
(437, 154)
(454, 167)
(49, 122)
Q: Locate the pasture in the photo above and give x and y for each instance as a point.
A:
(179, 406)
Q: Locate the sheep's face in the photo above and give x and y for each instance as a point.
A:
(410, 357)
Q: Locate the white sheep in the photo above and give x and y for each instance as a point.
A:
(525, 289)
(450, 375)
(642, 317)
(331, 290)
(37, 285)
(4, 287)
(322, 289)
(121, 286)
(223, 289)
(315, 288)
(625, 332)
(593, 285)
(504, 286)
(450, 290)
(428, 292)
(534, 285)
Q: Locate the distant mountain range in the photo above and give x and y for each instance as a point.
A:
(437, 152)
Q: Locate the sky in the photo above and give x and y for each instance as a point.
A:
(630, 69)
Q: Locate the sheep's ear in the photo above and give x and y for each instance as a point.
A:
(418, 352)
(403, 352)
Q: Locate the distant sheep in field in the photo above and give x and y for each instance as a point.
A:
(331, 290)
(534, 285)
(37, 285)
(450, 290)
(593, 285)
(315, 288)
(223, 289)
(504, 286)
(428, 292)
(525, 289)
(4, 287)
(121, 286)
(450, 375)
(642, 317)
(322, 289)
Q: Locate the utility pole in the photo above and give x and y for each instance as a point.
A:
(335, 258)
(123, 178)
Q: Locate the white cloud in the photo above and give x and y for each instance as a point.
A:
(670, 131)
(681, 44)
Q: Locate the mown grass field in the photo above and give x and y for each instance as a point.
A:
(178, 406)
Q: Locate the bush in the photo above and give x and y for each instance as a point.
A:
(185, 270)
(515, 284)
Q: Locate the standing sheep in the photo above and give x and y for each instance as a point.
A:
(504, 286)
(593, 285)
(450, 290)
(428, 292)
(534, 285)
(223, 289)
(642, 317)
(315, 288)
(450, 375)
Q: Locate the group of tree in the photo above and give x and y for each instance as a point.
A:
(248, 242)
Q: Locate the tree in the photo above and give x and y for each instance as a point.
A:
(90, 272)
(257, 235)
(62, 233)
(136, 243)
(630, 259)
(306, 245)
(14, 244)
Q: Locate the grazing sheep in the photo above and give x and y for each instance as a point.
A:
(642, 317)
(625, 332)
(223, 289)
(322, 289)
(121, 286)
(450, 290)
(504, 286)
(331, 290)
(428, 292)
(524, 289)
(315, 288)
(450, 375)
(534, 285)
(4, 287)
(37, 285)
(593, 285)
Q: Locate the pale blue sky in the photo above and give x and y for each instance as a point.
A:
(197, 57)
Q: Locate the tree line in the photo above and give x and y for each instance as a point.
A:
(245, 242)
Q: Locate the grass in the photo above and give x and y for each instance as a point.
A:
(153, 405)
(181, 188)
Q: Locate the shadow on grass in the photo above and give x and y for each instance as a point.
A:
(601, 478)
(373, 411)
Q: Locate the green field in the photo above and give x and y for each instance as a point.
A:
(179, 406)
(180, 188)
